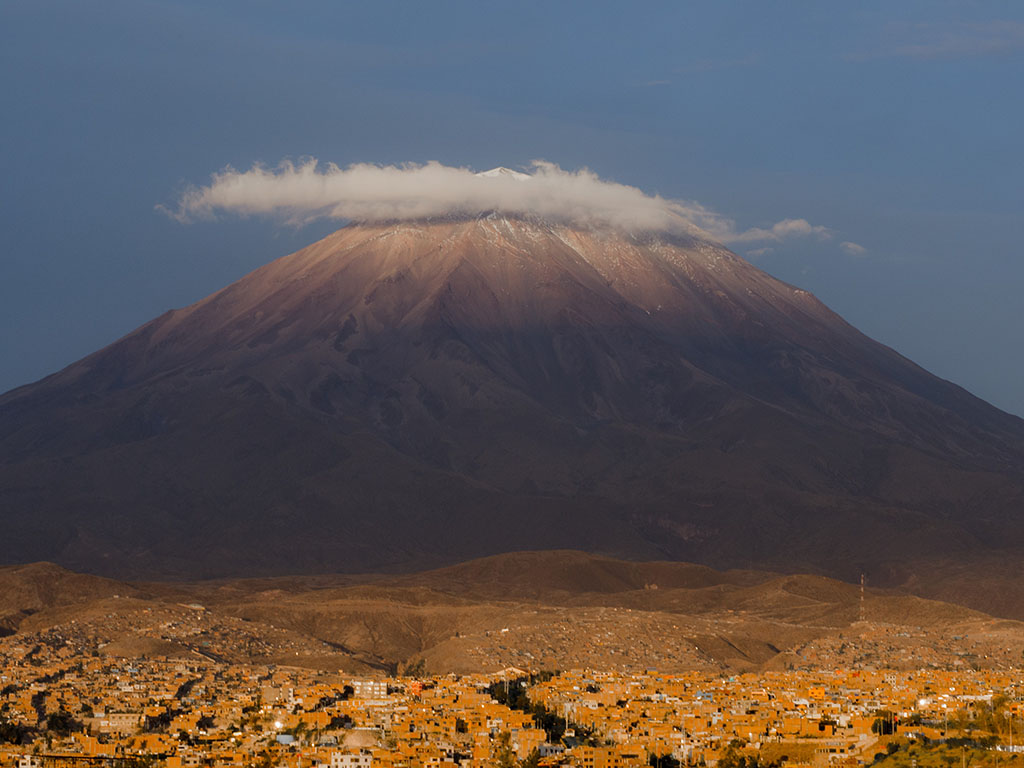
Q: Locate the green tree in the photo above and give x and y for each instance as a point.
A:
(663, 761)
(884, 723)
(13, 733)
(416, 668)
(62, 723)
(504, 756)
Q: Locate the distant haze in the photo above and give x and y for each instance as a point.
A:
(363, 191)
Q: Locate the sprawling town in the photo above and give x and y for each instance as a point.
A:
(62, 707)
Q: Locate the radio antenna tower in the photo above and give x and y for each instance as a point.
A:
(860, 615)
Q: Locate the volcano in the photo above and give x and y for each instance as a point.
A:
(408, 394)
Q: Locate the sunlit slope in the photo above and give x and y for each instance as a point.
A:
(399, 396)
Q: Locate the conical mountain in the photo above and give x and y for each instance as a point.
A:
(415, 393)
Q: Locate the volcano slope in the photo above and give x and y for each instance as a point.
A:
(405, 395)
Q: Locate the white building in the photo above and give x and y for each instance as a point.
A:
(350, 760)
(370, 689)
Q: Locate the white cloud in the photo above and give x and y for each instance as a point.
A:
(852, 248)
(936, 40)
(309, 190)
(782, 230)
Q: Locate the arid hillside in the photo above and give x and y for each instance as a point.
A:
(534, 610)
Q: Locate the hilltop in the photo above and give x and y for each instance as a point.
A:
(533, 610)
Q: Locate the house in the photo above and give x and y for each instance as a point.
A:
(351, 760)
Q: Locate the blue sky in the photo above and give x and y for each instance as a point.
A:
(896, 126)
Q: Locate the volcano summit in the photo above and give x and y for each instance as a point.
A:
(409, 393)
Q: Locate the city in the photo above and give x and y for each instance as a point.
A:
(511, 384)
(60, 706)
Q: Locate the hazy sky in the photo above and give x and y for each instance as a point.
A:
(897, 127)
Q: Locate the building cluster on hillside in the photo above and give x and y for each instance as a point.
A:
(56, 705)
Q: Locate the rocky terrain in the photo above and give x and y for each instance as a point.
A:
(538, 610)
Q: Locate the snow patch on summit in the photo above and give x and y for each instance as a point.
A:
(503, 172)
